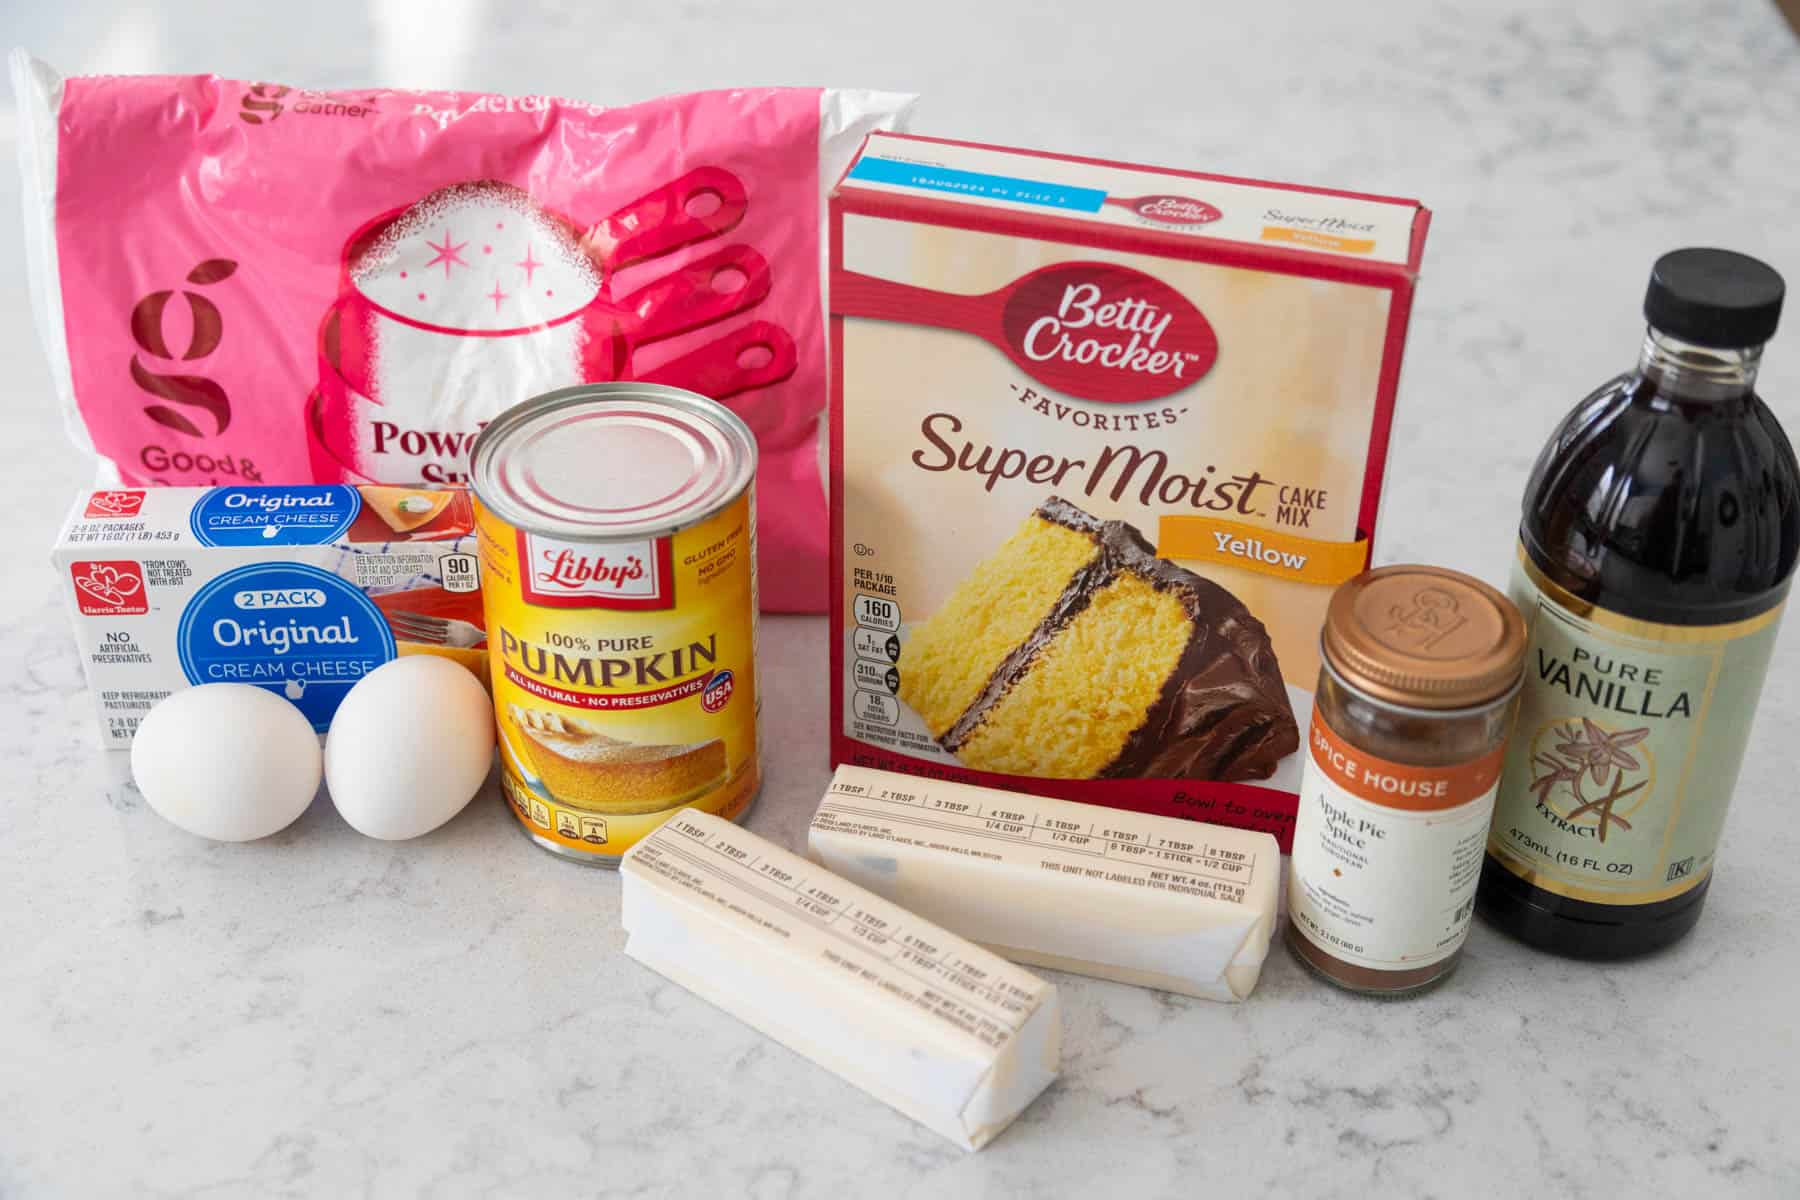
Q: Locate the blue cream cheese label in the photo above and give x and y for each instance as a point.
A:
(1627, 746)
(303, 515)
(290, 628)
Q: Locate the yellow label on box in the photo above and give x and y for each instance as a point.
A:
(1313, 239)
(1269, 551)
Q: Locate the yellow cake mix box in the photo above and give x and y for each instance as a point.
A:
(1103, 440)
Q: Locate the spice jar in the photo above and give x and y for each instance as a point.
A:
(1420, 670)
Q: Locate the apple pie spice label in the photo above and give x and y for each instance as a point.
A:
(1627, 746)
(1386, 854)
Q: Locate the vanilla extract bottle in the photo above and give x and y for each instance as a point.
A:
(1658, 538)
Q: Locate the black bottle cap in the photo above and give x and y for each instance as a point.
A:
(1716, 298)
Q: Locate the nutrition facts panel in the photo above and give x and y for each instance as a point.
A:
(874, 678)
(1052, 835)
(783, 896)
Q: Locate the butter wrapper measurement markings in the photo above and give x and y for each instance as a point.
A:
(948, 1033)
(1154, 901)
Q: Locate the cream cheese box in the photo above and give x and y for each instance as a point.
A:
(948, 1033)
(300, 590)
(1142, 899)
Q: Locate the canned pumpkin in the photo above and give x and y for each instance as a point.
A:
(617, 527)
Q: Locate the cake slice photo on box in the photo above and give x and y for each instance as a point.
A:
(428, 618)
(426, 513)
(576, 765)
(405, 509)
(1073, 652)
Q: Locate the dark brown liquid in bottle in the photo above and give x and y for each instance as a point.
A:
(1671, 504)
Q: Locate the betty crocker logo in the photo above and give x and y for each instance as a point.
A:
(186, 398)
(1105, 332)
(1175, 210)
(114, 504)
(628, 575)
(109, 589)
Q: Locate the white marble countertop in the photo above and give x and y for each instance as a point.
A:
(324, 1015)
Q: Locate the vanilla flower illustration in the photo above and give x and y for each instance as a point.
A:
(1584, 751)
(1596, 752)
(1555, 772)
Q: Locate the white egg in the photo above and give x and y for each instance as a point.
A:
(410, 745)
(226, 761)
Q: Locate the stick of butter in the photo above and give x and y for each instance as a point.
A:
(955, 1037)
(1155, 901)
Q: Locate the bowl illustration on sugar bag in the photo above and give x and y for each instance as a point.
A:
(476, 297)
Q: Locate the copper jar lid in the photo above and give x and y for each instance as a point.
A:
(1424, 637)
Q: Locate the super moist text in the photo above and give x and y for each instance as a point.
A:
(1115, 471)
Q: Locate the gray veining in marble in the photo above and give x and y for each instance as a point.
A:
(323, 1015)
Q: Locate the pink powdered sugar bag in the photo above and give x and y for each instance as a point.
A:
(243, 282)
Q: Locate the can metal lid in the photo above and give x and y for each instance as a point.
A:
(612, 460)
(1424, 637)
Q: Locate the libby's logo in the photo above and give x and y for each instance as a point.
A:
(262, 103)
(114, 504)
(567, 569)
(185, 397)
(109, 589)
(631, 575)
(1105, 332)
(1169, 210)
